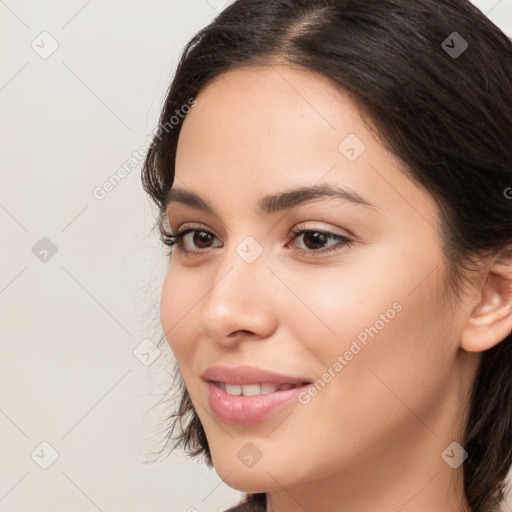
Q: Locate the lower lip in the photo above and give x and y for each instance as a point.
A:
(246, 410)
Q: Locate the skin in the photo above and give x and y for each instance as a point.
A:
(372, 438)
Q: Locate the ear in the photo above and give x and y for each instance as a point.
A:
(491, 319)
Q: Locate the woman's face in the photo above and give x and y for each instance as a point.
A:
(369, 313)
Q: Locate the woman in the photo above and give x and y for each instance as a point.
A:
(334, 178)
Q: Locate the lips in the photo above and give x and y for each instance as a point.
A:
(245, 395)
(242, 375)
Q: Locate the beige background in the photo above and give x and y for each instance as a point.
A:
(71, 319)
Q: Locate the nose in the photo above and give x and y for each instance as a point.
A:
(239, 304)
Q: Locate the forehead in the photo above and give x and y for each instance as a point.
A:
(261, 123)
(263, 107)
(257, 130)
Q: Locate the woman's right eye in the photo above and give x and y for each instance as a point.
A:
(198, 238)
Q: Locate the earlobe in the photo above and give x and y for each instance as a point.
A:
(490, 321)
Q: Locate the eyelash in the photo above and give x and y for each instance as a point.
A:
(171, 240)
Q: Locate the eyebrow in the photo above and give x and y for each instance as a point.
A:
(273, 202)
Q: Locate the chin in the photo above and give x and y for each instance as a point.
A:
(245, 481)
(236, 475)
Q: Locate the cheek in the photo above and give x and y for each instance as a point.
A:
(384, 317)
(369, 288)
(177, 304)
(337, 305)
(399, 367)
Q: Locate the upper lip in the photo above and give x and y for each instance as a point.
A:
(248, 375)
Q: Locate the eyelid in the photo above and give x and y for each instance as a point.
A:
(195, 226)
(299, 227)
(303, 227)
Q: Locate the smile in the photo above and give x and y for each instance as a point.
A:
(254, 389)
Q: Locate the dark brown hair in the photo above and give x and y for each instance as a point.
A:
(447, 115)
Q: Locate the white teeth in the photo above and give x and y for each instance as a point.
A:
(233, 389)
(268, 388)
(253, 389)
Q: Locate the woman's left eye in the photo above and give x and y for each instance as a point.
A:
(312, 238)
(315, 241)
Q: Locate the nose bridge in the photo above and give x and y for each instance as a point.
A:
(238, 297)
(241, 271)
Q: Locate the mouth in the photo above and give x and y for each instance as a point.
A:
(264, 388)
(246, 395)
(247, 404)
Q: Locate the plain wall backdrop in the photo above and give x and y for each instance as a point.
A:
(81, 87)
